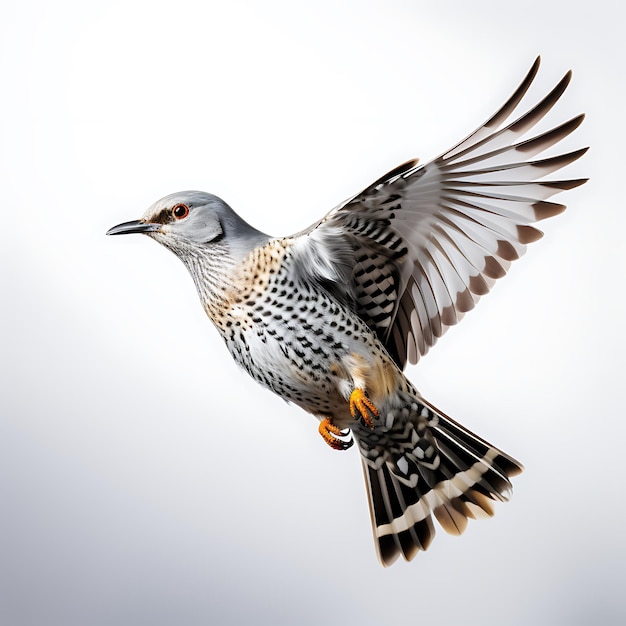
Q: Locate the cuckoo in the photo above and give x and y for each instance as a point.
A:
(328, 318)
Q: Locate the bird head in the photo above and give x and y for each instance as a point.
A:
(189, 222)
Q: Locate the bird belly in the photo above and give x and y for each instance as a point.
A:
(313, 355)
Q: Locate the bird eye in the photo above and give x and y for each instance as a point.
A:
(180, 211)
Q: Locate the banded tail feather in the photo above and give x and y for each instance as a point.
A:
(446, 471)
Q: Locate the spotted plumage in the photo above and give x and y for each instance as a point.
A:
(329, 317)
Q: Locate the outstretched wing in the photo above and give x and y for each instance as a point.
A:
(422, 244)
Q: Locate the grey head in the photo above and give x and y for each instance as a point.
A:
(193, 224)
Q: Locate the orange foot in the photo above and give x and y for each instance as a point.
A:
(331, 435)
(362, 407)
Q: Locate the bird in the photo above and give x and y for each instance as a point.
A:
(329, 318)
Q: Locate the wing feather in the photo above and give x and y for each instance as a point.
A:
(428, 241)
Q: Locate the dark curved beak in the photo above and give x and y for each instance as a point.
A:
(133, 227)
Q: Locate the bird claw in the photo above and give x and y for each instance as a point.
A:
(361, 407)
(332, 435)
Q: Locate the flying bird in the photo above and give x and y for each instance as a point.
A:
(328, 318)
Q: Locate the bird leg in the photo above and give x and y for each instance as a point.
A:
(331, 435)
(361, 407)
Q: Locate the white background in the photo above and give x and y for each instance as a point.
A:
(143, 478)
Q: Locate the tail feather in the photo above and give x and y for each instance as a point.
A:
(430, 465)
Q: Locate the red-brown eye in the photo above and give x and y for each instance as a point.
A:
(180, 211)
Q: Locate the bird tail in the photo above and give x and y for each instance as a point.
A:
(429, 464)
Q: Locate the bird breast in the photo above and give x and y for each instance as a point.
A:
(297, 340)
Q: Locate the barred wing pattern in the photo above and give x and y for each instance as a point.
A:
(428, 241)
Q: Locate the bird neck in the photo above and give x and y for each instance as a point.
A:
(227, 284)
(213, 272)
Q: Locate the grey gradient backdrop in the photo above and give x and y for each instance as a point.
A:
(143, 478)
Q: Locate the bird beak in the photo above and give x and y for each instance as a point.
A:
(133, 227)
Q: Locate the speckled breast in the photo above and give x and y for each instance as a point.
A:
(288, 334)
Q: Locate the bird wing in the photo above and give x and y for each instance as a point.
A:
(414, 251)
